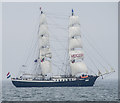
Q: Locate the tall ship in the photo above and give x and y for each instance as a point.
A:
(78, 75)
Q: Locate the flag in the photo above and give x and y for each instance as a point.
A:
(35, 60)
(42, 60)
(8, 75)
(40, 8)
(73, 61)
(72, 11)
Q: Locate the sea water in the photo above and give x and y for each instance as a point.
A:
(103, 90)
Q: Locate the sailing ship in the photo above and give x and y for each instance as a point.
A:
(75, 60)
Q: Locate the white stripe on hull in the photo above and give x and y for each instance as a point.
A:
(55, 80)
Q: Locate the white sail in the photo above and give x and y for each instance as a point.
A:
(78, 67)
(44, 41)
(76, 53)
(46, 67)
(44, 46)
(43, 19)
(75, 43)
(74, 31)
(74, 21)
(45, 52)
(43, 30)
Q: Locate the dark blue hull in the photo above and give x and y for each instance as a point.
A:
(77, 83)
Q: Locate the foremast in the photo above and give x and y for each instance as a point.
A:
(45, 54)
(76, 53)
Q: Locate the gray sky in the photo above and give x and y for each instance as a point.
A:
(1, 40)
(98, 26)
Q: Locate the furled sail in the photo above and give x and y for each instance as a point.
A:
(76, 53)
(44, 46)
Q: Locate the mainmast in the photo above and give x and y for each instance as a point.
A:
(76, 53)
(44, 46)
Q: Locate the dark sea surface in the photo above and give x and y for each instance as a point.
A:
(103, 90)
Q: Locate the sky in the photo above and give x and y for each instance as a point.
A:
(99, 27)
(0, 40)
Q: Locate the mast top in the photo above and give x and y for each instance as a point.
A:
(72, 12)
(41, 10)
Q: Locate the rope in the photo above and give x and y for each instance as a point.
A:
(96, 57)
(31, 51)
(28, 53)
(99, 53)
(58, 67)
(52, 14)
(56, 17)
(58, 40)
(92, 61)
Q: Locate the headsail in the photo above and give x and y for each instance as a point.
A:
(76, 53)
(44, 46)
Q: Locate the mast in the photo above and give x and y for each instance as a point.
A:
(45, 54)
(76, 52)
